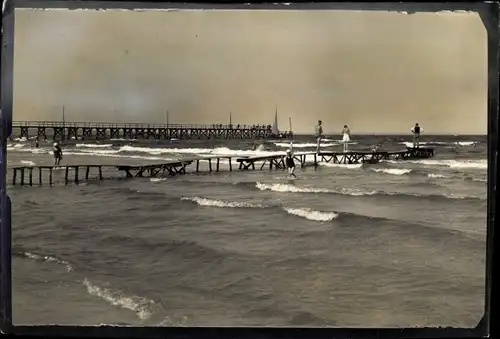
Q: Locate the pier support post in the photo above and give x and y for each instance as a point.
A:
(39, 175)
(14, 177)
(87, 172)
(218, 162)
(50, 175)
(66, 175)
(230, 165)
(76, 175)
(22, 176)
(197, 166)
(100, 173)
(31, 176)
(210, 165)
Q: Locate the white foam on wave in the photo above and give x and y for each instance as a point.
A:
(130, 156)
(465, 143)
(15, 146)
(27, 162)
(479, 164)
(310, 214)
(220, 203)
(348, 166)
(95, 145)
(286, 188)
(480, 179)
(305, 145)
(437, 176)
(393, 171)
(140, 305)
(157, 179)
(49, 258)
(410, 144)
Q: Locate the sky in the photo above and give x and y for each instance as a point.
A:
(378, 72)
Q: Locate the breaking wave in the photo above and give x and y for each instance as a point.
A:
(437, 176)
(220, 203)
(478, 164)
(47, 258)
(141, 306)
(286, 188)
(393, 171)
(310, 214)
(348, 166)
(95, 145)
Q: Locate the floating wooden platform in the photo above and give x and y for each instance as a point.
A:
(23, 175)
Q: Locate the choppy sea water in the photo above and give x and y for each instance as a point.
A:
(392, 244)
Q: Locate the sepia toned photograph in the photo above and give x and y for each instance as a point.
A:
(285, 168)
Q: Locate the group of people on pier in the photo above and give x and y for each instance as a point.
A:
(346, 136)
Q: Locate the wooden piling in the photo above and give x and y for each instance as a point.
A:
(218, 162)
(66, 179)
(50, 175)
(230, 165)
(22, 176)
(210, 165)
(31, 175)
(14, 177)
(100, 172)
(39, 175)
(77, 168)
(87, 172)
(197, 166)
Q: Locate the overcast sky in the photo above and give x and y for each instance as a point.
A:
(378, 72)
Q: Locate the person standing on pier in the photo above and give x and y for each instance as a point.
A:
(346, 137)
(318, 133)
(416, 130)
(57, 154)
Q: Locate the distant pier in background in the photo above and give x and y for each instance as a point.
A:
(24, 175)
(56, 130)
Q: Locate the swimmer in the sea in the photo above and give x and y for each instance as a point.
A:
(290, 164)
(57, 154)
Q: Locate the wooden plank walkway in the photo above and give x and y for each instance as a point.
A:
(23, 175)
(355, 157)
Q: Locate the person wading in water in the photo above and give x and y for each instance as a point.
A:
(57, 154)
(290, 164)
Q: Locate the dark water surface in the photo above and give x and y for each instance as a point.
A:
(392, 244)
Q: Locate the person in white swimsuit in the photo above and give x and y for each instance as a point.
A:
(346, 137)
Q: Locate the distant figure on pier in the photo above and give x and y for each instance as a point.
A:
(416, 130)
(58, 155)
(376, 148)
(290, 164)
(318, 133)
(346, 137)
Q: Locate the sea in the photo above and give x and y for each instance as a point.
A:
(394, 244)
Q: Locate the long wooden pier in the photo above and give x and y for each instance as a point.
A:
(24, 175)
(102, 131)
